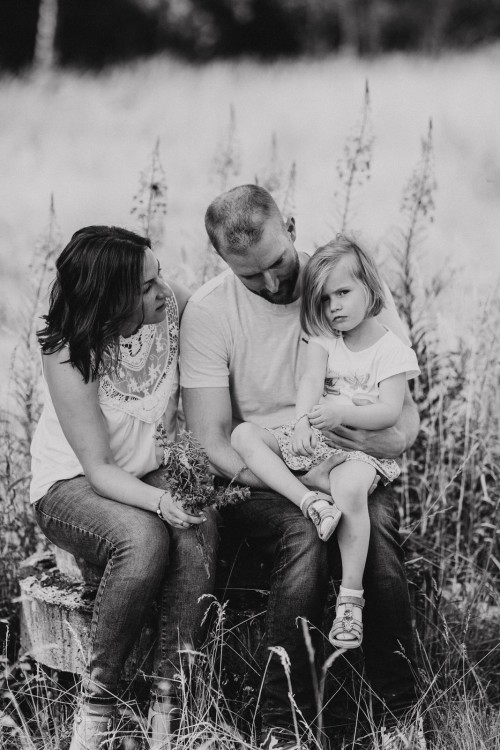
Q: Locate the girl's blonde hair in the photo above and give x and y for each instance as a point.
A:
(312, 314)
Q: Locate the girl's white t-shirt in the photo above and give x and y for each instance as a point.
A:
(358, 374)
(134, 398)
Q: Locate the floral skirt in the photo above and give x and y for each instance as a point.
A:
(387, 468)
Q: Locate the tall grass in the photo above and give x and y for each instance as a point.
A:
(449, 492)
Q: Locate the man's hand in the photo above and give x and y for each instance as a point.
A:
(304, 440)
(388, 443)
(325, 416)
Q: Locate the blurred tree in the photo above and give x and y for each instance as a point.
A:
(95, 33)
(45, 54)
(18, 22)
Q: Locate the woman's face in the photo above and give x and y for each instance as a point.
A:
(152, 305)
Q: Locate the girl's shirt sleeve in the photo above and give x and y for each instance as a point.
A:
(394, 357)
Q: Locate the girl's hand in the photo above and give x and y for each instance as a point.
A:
(304, 440)
(174, 514)
(325, 416)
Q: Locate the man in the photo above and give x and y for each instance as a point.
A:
(242, 353)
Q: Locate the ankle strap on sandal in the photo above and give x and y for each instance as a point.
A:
(307, 499)
(358, 601)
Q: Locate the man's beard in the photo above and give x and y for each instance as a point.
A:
(284, 295)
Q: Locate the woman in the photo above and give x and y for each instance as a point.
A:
(109, 352)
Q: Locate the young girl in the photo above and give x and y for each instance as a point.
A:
(355, 375)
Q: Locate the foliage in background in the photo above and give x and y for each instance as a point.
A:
(450, 484)
(100, 32)
(19, 535)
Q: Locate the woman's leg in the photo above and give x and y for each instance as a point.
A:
(185, 592)
(132, 548)
(349, 484)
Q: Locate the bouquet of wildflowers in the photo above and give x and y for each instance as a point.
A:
(190, 481)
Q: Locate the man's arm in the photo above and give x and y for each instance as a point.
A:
(388, 443)
(208, 413)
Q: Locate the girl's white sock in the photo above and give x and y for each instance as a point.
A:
(350, 592)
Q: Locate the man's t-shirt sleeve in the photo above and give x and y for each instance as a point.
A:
(390, 318)
(203, 354)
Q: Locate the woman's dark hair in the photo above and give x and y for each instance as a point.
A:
(97, 289)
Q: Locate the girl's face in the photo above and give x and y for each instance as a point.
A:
(344, 297)
(152, 305)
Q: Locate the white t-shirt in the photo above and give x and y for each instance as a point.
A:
(133, 400)
(233, 338)
(358, 374)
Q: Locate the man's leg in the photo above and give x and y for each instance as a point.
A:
(298, 589)
(389, 644)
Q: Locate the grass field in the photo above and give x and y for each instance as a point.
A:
(86, 139)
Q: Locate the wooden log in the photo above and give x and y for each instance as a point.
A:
(57, 595)
(56, 615)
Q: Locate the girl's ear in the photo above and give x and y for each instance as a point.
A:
(290, 227)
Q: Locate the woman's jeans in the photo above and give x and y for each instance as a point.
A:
(301, 567)
(141, 558)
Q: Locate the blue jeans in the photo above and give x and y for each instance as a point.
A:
(142, 558)
(298, 588)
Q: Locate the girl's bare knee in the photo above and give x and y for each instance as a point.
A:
(241, 435)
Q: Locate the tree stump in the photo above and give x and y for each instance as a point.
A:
(58, 591)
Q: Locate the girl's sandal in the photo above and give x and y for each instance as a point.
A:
(347, 624)
(323, 513)
(164, 718)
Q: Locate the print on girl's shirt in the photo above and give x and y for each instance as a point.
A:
(352, 382)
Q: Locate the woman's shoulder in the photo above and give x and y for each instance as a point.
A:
(181, 294)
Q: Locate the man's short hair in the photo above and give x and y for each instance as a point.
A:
(235, 220)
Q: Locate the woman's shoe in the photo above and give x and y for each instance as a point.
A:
(323, 513)
(92, 727)
(347, 624)
(163, 720)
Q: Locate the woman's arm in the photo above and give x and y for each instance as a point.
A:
(377, 416)
(77, 408)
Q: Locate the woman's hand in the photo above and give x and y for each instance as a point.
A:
(325, 416)
(304, 440)
(173, 513)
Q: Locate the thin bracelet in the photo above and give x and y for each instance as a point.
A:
(158, 509)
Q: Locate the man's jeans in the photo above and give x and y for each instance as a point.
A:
(298, 589)
(141, 557)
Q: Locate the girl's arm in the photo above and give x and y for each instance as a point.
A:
(313, 380)
(77, 408)
(309, 392)
(384, 413)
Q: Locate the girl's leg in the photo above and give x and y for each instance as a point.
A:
(260, 451)
(349, 484)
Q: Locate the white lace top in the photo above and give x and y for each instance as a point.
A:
(142, 390)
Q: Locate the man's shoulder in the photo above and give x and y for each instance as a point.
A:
(214, 290)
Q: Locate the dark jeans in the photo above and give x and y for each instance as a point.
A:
(141, 558)
(298, 588)
(388, 642)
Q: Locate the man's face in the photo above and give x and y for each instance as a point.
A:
(270, 267)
